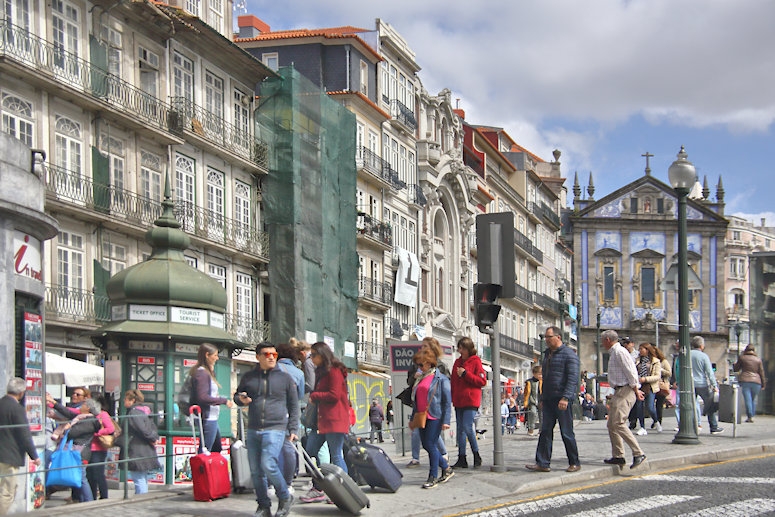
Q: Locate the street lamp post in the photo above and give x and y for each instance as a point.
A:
(599, 359)
(738, 331)
(682, 176)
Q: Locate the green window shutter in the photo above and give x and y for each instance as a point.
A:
(101, 180)
(98, 54)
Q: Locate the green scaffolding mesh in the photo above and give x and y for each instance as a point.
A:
(309, 212)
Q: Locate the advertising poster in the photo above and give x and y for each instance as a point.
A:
(33, 370)
(183, 447)
(36, 485)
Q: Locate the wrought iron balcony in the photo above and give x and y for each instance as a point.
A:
(374, 229)
(375, 291)
(523, 294)
(123, 205)
(527, 245)
(416, 196)
(215, 227)
(187, 116)
(516, 346)
(76, 305)
(247, 330)
(548, 215)
(63, 67)
(373, 353)
(547, 303)
(371, 162)
(400, 112)
(75, 189)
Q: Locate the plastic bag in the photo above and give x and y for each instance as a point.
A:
(65, 469)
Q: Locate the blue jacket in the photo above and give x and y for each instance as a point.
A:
(439, 398)
(560, 374)
(291, 369)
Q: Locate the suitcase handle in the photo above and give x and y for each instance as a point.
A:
(196, 414)
(316, 473)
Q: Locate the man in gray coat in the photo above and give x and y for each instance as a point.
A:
(15, 441)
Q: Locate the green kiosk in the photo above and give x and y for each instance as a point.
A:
(161, 311)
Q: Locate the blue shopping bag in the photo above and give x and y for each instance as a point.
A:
(65, 468)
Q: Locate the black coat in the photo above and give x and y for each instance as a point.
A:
(15, 436)
(141, 432)
(82, 432)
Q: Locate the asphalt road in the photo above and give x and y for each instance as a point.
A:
(734, 488)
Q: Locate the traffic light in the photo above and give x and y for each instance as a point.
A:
(486, 310)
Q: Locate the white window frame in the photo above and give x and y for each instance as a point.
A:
(17, 117)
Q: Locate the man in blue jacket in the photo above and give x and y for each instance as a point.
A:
(560, 383)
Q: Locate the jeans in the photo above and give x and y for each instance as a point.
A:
(550, 416)
(263, 450)
(650, 405)
(212, 434)
(430, 442)
(335, 443)
(706, 394)
(417, 442)
(376, 428)
(96, 474)
(140, 479)
(465, 429)
(750, 391)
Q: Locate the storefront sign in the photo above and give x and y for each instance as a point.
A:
(216, 320)
(402, 356)
(144, 359)
(190, 316)
(148, 312)
(118, 313)
(26, 256)
(146, 386)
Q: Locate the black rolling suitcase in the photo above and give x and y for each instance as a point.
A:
(241, 479)
(374, 466)
(337, 485)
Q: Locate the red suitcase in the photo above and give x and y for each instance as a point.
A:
(209, 472)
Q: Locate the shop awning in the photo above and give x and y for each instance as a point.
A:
(70, 372)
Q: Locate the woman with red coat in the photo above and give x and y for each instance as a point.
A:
(468, 379)
(330, 395)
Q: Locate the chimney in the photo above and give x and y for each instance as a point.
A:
(460, 113)
(764, 222)
(250, 26)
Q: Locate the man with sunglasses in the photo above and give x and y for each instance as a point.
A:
(273, 414)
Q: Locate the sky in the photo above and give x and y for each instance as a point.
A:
(604, 82)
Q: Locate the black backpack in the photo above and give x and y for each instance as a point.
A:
(184, 397)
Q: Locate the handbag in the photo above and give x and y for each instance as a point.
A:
(65, 468)
(310, 417)
(664, 387)
(418, 420)
(109, 440)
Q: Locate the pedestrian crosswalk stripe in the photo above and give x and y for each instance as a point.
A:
(746, 508)
(636, 506)
(702, 479)
(531, 507)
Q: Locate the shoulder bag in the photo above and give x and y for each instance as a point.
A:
(310, 417)
(65, 468)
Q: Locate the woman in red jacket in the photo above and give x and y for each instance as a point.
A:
(330, 394)
(468, 379)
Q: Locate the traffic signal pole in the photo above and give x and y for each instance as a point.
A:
(498, 463)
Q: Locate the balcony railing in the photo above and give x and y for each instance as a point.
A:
(546, 212)
(400, 112)
(516, 346)
(380, 292)
(64, 67)
(77, 305)
(124, 205)
(527, 245)
(547, 303)
(186, 115)
(373, 353)
(374, 228)
(523, 294)
(68, 186)
(371, 162)
(217, 228)
(247, 330)
(416, 196)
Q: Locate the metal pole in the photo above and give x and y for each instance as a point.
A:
(498, 463)
(599, 366)
(687, 430)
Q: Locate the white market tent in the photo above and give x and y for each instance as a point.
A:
(70, 372)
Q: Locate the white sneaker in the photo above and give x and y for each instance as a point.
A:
(642, 432)
(659, 427)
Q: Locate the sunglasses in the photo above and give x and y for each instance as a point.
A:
(270, 355)
(77, 395)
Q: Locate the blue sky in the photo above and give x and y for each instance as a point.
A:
(602, 81)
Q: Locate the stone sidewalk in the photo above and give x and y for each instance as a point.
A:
(470, 488)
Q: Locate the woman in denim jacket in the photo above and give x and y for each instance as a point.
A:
(431, 393)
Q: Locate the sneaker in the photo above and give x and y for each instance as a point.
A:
(717, 430)
(285, 507)
(412, 464)
(431, 483)
(291, 490)
(659, 427)
(263, 512)
(313, 496)
(270, 491)
(642, 432)
(446, 475)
